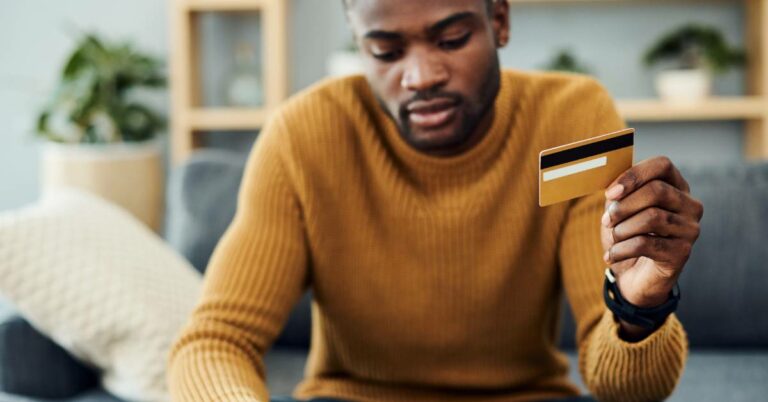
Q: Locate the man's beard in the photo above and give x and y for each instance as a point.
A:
(471, 113)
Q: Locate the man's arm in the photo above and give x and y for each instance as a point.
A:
(613, 367)
(617, 361)
(256, 275)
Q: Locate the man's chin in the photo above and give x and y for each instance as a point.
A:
(444, 141)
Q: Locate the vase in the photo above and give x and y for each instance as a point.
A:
(127, 174)
(684, 86)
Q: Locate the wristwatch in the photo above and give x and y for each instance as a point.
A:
(649, 318)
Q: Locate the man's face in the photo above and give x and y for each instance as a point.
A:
(433, 66)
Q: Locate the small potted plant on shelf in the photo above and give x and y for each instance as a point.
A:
(100, 135)
(692, 54)
(565, 60)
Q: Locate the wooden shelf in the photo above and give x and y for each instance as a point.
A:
(227, 118)
(187, 116)
(223, 5)
(721, 108)
(636, 110)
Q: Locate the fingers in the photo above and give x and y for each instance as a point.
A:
(650, 213)
(660, 168)
(656, 193)
(658, 221)
(667, 251)
(619, 267)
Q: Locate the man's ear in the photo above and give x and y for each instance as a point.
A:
(500, 22)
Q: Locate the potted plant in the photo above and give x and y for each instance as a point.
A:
(100, 135)
(564, 60)
(692, 55)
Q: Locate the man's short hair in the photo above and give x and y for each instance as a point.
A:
(488, 3)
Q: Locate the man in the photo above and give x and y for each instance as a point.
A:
(407, 201)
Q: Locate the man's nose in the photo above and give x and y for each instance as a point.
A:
(424, 72)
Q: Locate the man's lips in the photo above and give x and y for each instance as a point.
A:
(432, 113)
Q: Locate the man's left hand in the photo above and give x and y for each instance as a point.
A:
(648, 229)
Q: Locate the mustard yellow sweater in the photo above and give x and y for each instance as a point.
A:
(434, 278)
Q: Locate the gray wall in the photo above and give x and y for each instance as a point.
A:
(34, 39)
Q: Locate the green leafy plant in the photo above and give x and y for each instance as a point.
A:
(564, 60)
(95, 101)
(695, 46)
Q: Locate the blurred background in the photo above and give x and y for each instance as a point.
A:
(608, 38)
(154, 105)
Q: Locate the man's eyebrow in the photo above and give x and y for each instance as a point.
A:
(452, 19)
(386, 35)
(436, 27)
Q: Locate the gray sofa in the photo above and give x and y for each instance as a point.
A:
(724, 303)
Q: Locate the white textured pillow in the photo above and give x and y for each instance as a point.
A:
(100, 284)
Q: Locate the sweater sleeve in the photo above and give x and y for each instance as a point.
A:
(612, 369)
(257, 273)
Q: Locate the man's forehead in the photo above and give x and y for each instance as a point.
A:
(401, 15)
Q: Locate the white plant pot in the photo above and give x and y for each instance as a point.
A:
(128, 174)
(344, 63)
(684, 86)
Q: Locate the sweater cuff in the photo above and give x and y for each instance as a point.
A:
(199, 374)
(615, 369)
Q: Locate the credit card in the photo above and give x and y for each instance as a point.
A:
(584, 167)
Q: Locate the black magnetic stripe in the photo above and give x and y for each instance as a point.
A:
(585, 151)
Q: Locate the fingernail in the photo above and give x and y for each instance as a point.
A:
(611, 210)
(606, 219)
(607, 256)
(615, 191)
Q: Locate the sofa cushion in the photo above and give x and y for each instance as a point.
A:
(25, 354)
(93, 395)
(723, 285)
(101, 284)
(285, 368)
(201, 202)
(715, 375)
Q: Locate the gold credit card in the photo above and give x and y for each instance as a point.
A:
(584, 167)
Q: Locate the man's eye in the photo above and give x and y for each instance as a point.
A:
(452, 44)
(387, 56)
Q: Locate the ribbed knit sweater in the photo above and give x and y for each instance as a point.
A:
(434, 278)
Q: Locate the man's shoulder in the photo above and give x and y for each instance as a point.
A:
(318, 122)
(571, 106)
(552, 86)
(326, 100)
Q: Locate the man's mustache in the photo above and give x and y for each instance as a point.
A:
(456, 98)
